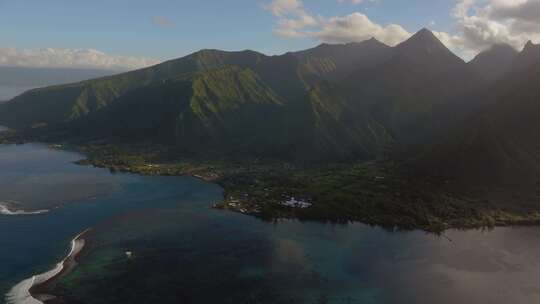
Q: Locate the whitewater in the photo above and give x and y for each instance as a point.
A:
(7, 209)
(20, 293)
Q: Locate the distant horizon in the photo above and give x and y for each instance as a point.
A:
(123, 70)
(135, 34)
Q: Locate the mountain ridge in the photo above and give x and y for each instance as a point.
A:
(498, 144)
(494, 62)
(332, 101)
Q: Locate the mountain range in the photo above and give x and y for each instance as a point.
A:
(329, 103)
(500, 142)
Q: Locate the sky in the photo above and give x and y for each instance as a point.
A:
(129, 34)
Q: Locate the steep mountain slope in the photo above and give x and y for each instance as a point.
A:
(334, 62)
(528, 57)
(407, 92)
(330, 102)
(499, 145)
(219, 107)
(289, 75)
(59, 104)
(232, 111)
(494, 62)
(326, 122)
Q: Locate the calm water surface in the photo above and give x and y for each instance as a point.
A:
(183, 250)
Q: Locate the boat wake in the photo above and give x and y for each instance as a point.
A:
(8, 208)
(20, 293)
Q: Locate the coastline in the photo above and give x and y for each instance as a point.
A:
(379, 193)
(6, 208)
(33, 290)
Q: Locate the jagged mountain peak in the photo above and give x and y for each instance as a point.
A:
(497, 50)
(374, 40)
(529, 45)
(423, 43)
(423, 36)
(529, 57)
(425, 31)
(494, 62)
(424, 47)
(531, 50)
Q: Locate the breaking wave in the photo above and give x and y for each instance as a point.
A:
(20, 293)
(8, 208)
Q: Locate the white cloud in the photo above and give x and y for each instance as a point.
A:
(478, 25)
(284, 7)
(481, 24)
(295, 21)
(357, 27)
(70, 58)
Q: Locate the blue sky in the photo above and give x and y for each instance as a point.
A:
(125, 27)
(164, 29)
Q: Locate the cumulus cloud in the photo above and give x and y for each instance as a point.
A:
(295, 21)
(357, 27)
(480, 24)
(70, 58)
(284, 7)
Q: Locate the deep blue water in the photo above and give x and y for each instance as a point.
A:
(32, 244)
(308, 261)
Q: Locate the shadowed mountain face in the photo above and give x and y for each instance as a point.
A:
(331, 102)
(493, 63)
(500, 144)
(408, 92)
(232, 100)
(527, 58)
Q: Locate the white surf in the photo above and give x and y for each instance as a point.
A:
(20, 293)
(6, 209)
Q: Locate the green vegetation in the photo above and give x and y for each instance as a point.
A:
(306, 125)
(232, 102)
(376, 193)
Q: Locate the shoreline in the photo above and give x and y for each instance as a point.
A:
(378, 194)
(33, 290)
(382, 196)
(6, 208)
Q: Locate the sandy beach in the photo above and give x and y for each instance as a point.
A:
(33, 290)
